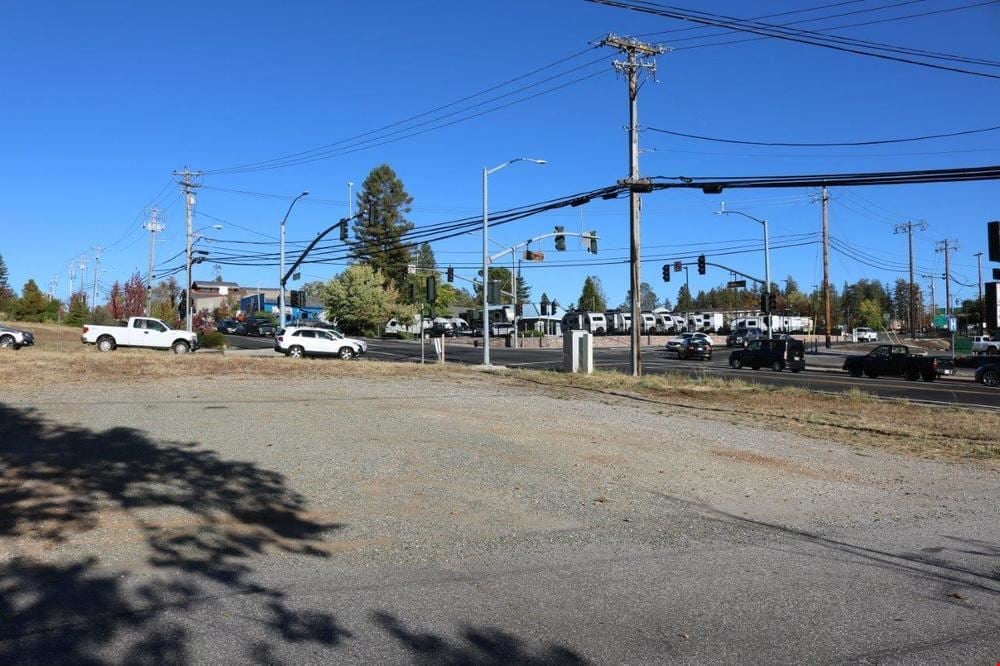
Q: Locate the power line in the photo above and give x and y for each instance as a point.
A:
(831, 144)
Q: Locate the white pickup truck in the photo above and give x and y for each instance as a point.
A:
(984, 344)
(139, 332)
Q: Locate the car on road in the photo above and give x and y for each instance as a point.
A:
(674, 344)
(776, 354)
(988, 374)
(865, 334)
(897, 361)
(741, 336)
(230, 326)
(15, 338)
(984, 344)
(695, 347)
(298, 342)
(258, 328)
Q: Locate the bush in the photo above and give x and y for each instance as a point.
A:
(211, 339)
(401, 335)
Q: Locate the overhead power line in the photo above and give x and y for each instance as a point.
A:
(828, 144)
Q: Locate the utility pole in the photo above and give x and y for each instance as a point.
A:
(53, 283)
(71, 272)
(946, 246)
(153, 226)
(826, 265)
(933, 302)
(187, 187)
(97, 266)
(639, 56)
(908, 228)
(982, 308)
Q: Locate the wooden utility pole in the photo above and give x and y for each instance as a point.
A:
(979, 283)
(638, 57)
(826, 266)
(908, 228)
(946, 246)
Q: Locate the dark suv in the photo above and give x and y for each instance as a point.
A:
(775, 354)
(741, 336)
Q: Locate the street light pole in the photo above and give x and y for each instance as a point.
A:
(486, 252)
(767, 262)
(281, 262)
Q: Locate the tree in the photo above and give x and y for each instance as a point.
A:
(116, 300)
(647, 298)
(382, 204)
(7, 295)
(31, 306)
(870, 314)
(684, 302)
(667, 304)
(592, 298)
(360, 300)
(134, 304)
(423, 257)
(78, 311)
(503, 276)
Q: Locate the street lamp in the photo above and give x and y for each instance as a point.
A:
(281, 269)
(486, 252)
(192, 238)
(767, 262)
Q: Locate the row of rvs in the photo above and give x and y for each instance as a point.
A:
(655, 322)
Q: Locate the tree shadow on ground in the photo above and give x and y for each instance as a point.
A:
(188, 514)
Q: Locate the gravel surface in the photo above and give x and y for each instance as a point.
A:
(453, 520)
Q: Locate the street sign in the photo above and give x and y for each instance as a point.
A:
(736, 284)
(678, 266)
(411, 269)
(531, 255)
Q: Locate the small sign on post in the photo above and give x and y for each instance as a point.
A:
(736, 284)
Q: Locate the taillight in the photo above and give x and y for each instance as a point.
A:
(86, 328)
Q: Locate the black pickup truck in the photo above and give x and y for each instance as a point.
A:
(897, 361)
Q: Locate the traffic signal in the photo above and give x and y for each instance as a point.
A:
(766, 301)
(493, 291)
(518, 310)
(993, 239)
(296, 296)
(413, 292)
(451, 274)
(701, 264)
(560, 240)
(343, 231)
(666, 272)
(432, 284)
(593, 242)
(678, 267)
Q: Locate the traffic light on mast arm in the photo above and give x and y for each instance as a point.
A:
(343, 230)
(560, 240)
(701, 264)
(593, 243)
(451, 274)
(666, 272)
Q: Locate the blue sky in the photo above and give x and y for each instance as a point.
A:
(100, 102)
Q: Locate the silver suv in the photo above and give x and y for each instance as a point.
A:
(13, 338)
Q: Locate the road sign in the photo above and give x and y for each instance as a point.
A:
(411, 269)
(736, 284)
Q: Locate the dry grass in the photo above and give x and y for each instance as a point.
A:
(855, 418)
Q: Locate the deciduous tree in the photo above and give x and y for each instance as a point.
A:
(360, 300)
(134, 297)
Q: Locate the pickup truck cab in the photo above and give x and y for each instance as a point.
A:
(139, 332)
(864, 334)
(984, 344)
(897, 361)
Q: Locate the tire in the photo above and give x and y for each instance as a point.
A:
(777, 366)
(992, 351)
(345, 353)
(181, 347)
(991, 378)
(296, 351)
(736, 363)
(106, 344)
(7, 342)
(855, 372)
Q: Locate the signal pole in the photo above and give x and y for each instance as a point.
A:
(908, 228)
(826, 265)
(639, 56)
(153, 227)
(97, 265)
(946, 246)
(982, 309)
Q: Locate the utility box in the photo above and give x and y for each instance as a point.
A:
(578, 352)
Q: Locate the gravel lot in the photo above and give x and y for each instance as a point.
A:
(403, 520)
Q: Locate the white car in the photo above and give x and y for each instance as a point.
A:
(299, 342)
(674, 344)
(864, 334)
(13, 338)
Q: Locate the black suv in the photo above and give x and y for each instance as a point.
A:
(775, 354)
(259, 327)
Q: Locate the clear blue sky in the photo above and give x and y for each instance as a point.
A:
(99, 102)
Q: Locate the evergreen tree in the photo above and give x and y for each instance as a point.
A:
(382, 205)
(503, 276)
(31, 306)
(647, 298)
(78, 311)
(6, 293)
(423, 258)
(684, 302)
(592, 298)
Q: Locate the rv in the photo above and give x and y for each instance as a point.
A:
(647, 323)
(592, 322)
(779, 323)
(707, 321)
(616, 322)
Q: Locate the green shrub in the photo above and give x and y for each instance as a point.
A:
(401, 335)
(211, 339)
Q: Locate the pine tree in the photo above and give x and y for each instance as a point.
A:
(78, 311)
(7, 295)
(684, 302)
(382, 205)
(592, 298)
(31, 306)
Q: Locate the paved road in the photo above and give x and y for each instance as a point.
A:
(824, 375)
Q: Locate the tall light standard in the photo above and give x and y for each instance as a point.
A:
(281, 269)
(192, 237)
(767, 261)
(486, 252)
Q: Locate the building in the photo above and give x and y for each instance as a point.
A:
(266, 300)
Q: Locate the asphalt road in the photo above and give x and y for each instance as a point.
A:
(824, 375)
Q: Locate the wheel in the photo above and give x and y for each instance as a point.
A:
(992, 351)
(106, 344)
(296, 352)
(7, 342)
(346, 353)
(855, 372)
(991, 378)
(777, 367)
(872, 374)
(736, 363)
(181, 347)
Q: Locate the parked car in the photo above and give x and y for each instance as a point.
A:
(897, 361)
(298, 342)
(741, 336)
(674, 344)
(775, 354)
(984, 344)
(227, 326)
(259, 328)
(139, 332)
(696, 347)
(441, 329)
(14, 338)
(988, 374)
